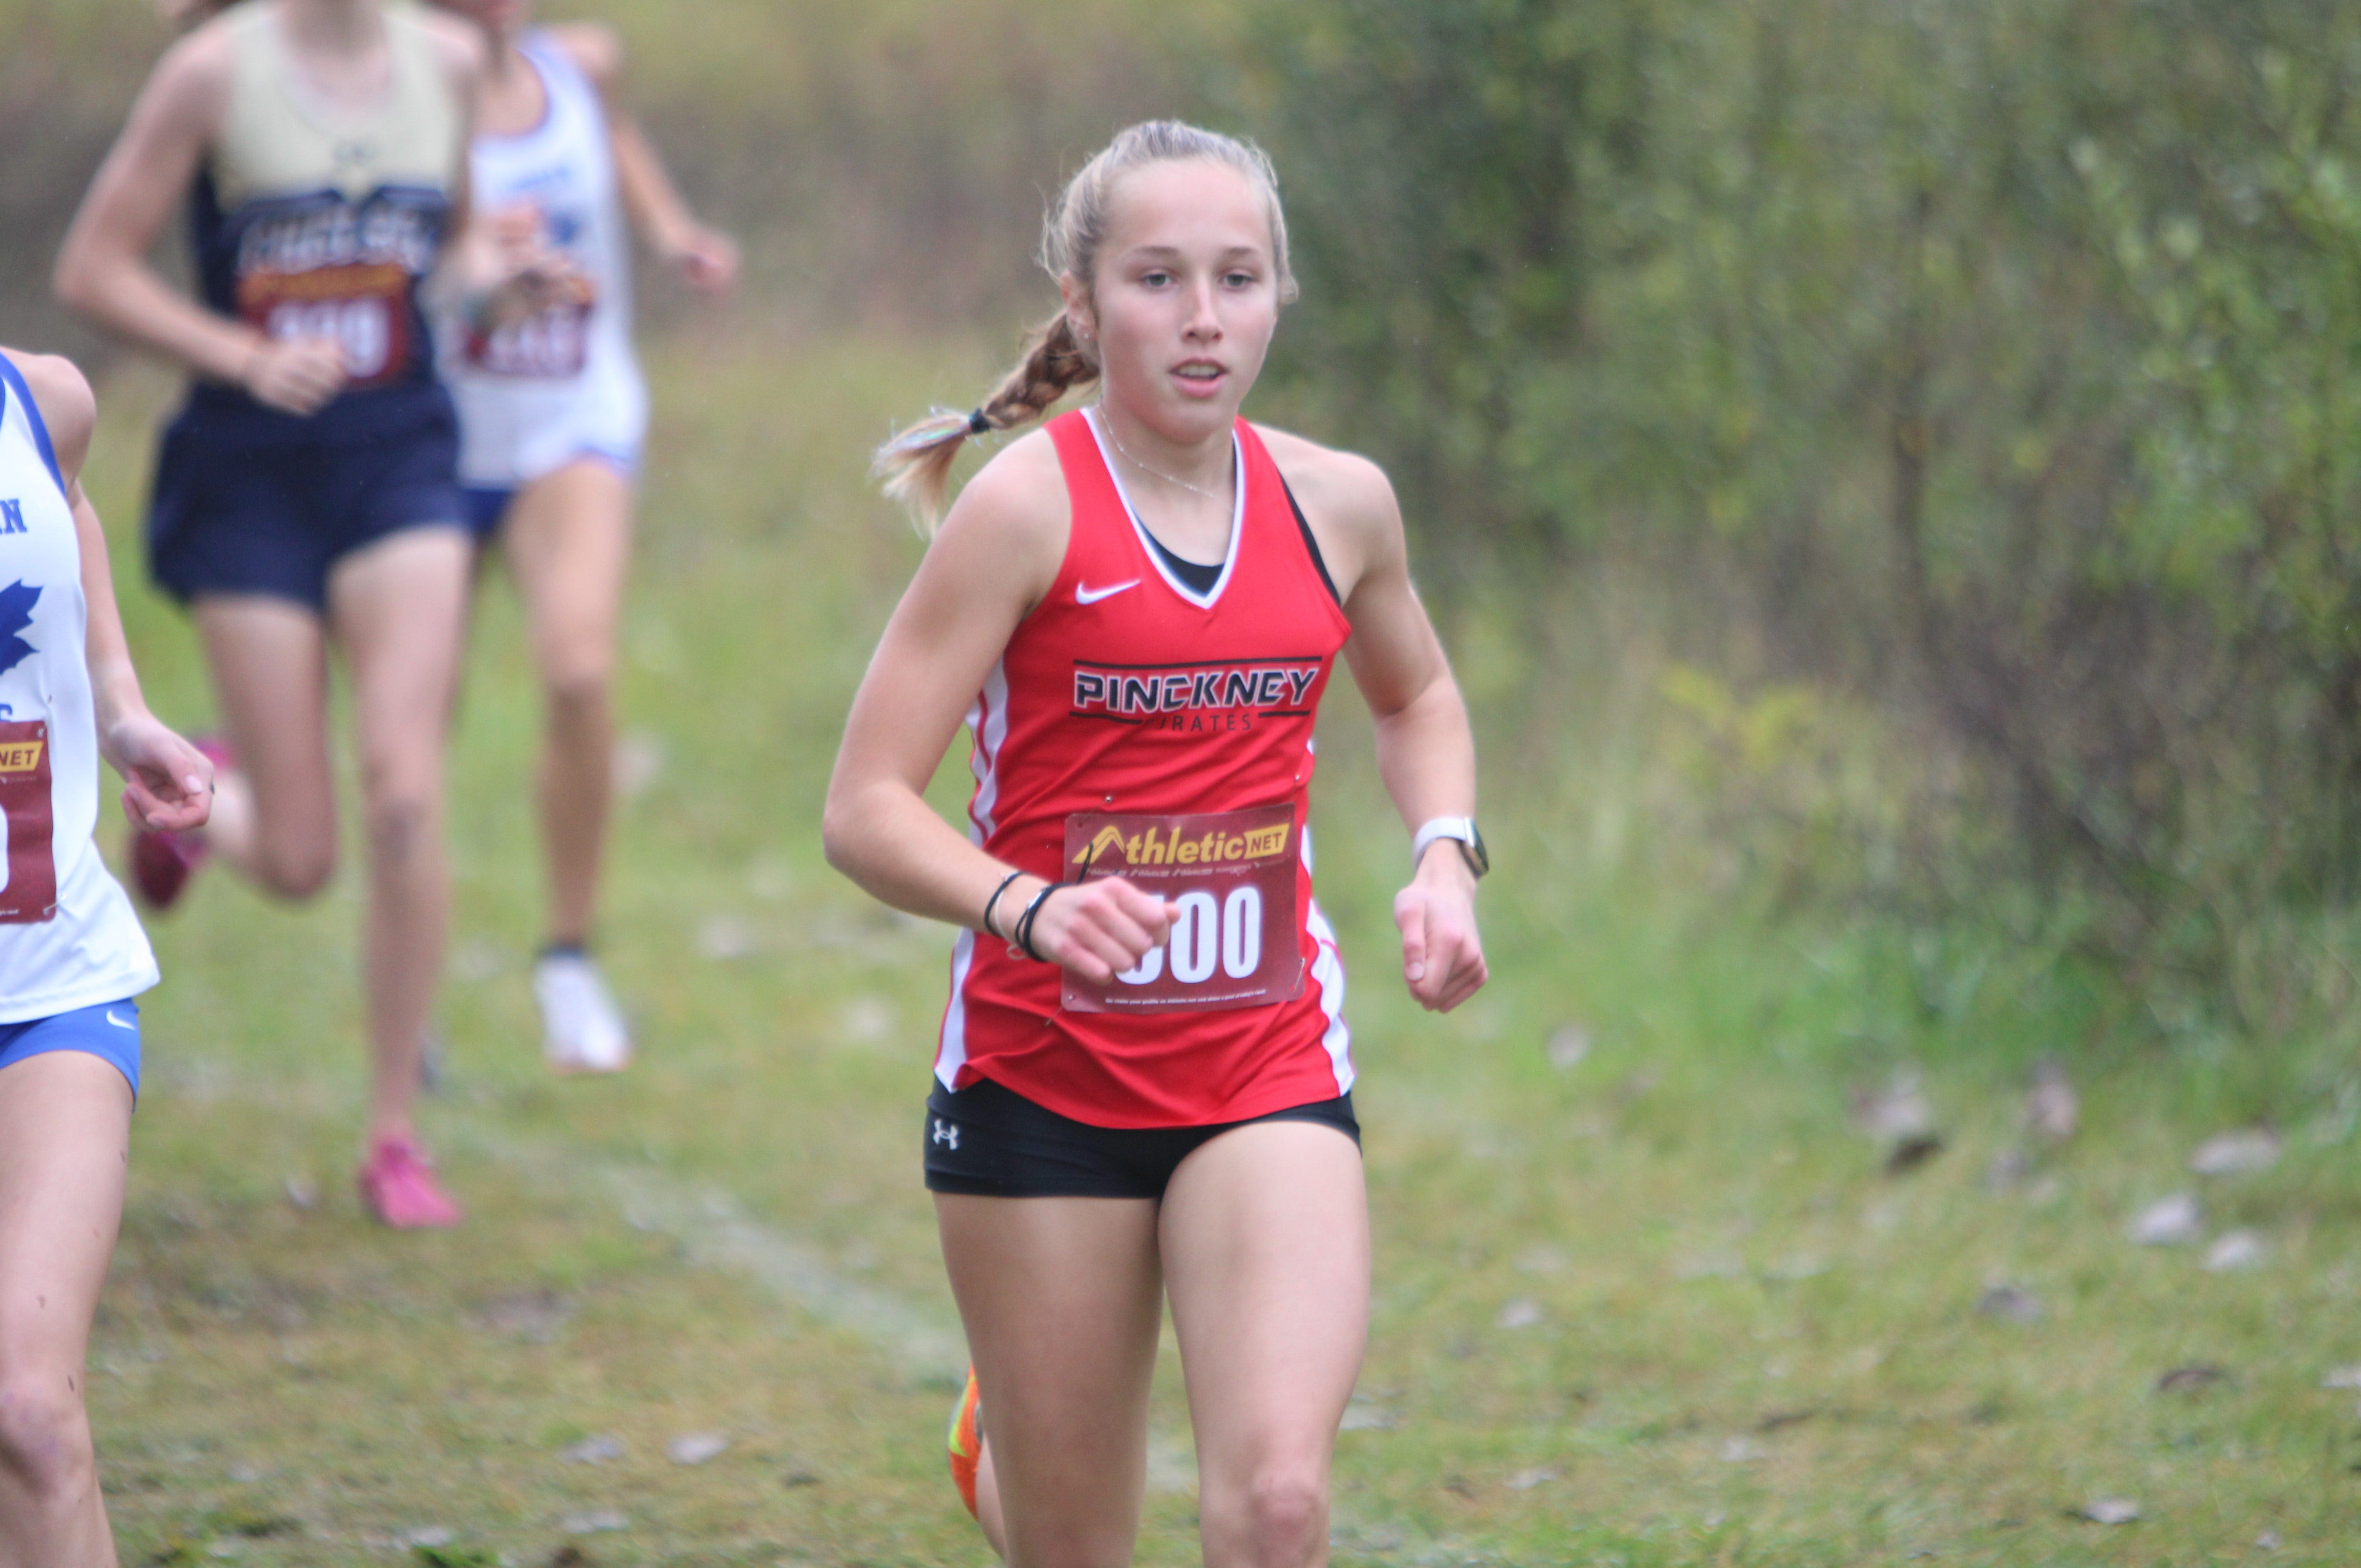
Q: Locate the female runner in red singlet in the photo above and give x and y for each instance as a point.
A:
(1143, 1088)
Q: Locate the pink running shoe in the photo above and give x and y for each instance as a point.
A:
(398, 1186)
(161, 863)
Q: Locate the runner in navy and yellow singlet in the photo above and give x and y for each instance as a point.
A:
(71, 954)
(1143, 1083)
(307, 494)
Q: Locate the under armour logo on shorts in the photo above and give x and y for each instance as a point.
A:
(946, 1133)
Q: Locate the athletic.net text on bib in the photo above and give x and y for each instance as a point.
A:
(28, 894)
(1231, 876)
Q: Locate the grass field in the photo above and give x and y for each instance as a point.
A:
(1644, 1295)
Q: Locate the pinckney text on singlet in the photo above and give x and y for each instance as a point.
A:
(1258, 685)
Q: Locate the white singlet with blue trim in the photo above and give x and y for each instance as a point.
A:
(68, 938)
(536, 395)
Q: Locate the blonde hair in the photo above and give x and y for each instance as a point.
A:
(915, 464)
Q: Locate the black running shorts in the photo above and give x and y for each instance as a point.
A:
(991, 1142)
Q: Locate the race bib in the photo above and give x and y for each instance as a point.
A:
(1232, 873)
(364, 307)
(28, 895)
(552, 344)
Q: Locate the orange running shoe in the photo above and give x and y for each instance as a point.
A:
(967, 1441)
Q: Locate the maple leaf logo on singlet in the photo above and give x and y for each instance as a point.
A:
(17, 603)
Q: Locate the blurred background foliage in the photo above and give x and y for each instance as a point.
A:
(1993, 366)
(1922, 433)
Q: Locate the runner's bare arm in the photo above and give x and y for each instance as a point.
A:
(168, 784)
(1426, 753)
(706, 257)
(996, 555)
(103, 272)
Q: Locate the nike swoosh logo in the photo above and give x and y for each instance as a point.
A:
(117, 1021)
(1085, 595)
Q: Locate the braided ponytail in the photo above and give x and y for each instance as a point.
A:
(916, 464)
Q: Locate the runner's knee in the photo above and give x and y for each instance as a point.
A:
(294, 865)
(577, 684)
(1282, 1512)
(399, 819)
(44, 1434)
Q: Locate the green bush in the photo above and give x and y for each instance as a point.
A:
(1997, 360)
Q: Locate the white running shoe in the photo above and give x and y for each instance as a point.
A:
(582, 1029)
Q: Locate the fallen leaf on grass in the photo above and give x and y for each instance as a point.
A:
(1911, 1153)
(1519, 1314)
(2191, 1379)
(1895, 1113)
(434, 1538)
(2233, 1252)
(1741, 1450)
(2239, 1153)
(2342, 1377)
(2169, 1222)
(1363, 1415)
(2009, 1304)
(2052, 1110)
(2268, 1540)
(302, 1193)
(1568, 1044)
(1526, 1480)
(2109, 1511)
(593, 1523)
(594, 1450)
(697, 1447)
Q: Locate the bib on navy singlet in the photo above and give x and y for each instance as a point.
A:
(309, 225)
(1135, 726)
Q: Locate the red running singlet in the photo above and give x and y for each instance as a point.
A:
(1134, 726)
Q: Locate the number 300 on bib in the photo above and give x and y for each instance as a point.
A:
(1230, 877)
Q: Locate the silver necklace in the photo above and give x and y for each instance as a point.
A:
(1158, 472)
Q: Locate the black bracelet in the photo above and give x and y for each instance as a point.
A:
(988, 903)
(1023, 941)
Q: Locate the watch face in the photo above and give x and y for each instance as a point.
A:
(1479, 859)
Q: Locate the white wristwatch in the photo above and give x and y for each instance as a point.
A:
(1459, 829)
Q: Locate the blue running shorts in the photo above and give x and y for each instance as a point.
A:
(487, 505)
(109, 1031)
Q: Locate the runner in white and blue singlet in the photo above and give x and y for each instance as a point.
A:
(72, 956)
(552, 409)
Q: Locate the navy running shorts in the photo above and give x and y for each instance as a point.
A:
(109, 1032)
(989, 1141)
(487, 510)
(248, 501)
